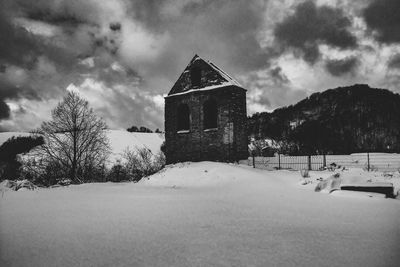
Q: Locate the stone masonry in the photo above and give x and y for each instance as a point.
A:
(227, 141)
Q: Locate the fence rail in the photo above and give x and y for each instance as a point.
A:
(368, 161)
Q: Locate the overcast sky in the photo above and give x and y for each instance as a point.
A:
(125, 55)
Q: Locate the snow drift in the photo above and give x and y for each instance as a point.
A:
(198, 214)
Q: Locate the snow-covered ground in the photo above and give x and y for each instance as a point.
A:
(198, 214)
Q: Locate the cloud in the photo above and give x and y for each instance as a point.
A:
(125, 54)
(270, 89)
(126, 105)
(14, 84)
(312, 25)
(394, 62)
(339, 67)
(226, 31)
(383, 19)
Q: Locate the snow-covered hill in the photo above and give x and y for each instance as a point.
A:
(198, 214)
(122, 140)
(119, 141)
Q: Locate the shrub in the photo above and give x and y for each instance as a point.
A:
(42, 173)
(142, 163)
(118, 173)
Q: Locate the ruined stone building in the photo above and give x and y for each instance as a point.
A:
(205, 116)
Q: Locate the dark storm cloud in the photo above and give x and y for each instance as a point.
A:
(383, 19)
(115, 26)
(70, 12)
(37, 66)
(4, 110)
(226, 31)
(394, 62)
(278, 76)
(149, 12)
(17, 45)
(11, 91)
(78, 24)
(20, 47)
(77, 36)
(312, 25)
(339, 67)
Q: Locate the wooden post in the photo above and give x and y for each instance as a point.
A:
(279, 161)
(309, 162)
(368, 161)
(254, 161)
(324, 161)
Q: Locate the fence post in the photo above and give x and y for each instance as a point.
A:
(368, 161)
(309, 162)
(254, 161)
(324, 161)
(279, 161)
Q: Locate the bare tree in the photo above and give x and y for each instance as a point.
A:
(75, 138)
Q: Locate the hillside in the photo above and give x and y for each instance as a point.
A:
(121, 140)
(337, 121)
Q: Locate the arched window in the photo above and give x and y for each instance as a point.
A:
(210, 114)
(195, 76)
(183, 116)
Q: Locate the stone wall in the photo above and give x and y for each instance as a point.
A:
(228, 142)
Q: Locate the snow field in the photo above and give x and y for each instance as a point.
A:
(198, 214)
(121, 140)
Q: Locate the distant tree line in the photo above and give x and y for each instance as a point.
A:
(344, 120)
(141, 129)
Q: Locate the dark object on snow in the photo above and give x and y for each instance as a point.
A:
(330, 184)
(382, 188)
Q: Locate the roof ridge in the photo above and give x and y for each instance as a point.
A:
(225, 78)
(224, 74)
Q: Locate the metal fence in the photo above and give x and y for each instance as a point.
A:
(367, 161)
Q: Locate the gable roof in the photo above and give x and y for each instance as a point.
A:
(212, 77)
